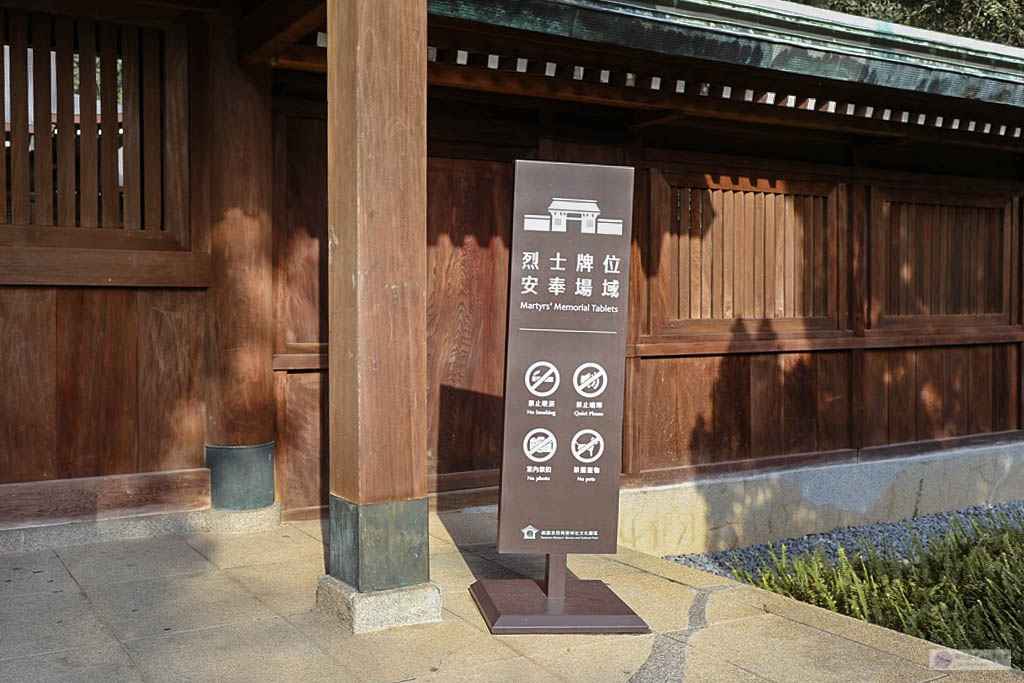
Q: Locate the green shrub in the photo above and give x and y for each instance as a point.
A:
(963, 590)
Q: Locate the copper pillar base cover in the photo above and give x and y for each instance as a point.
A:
(521, 606)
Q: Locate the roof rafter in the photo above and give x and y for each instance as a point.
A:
(277, 25)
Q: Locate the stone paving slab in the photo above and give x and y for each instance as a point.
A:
(265, 650)
(48, 622)
(269, 547)
(153, 607)
(73, 666)
(39, 571)
(106, 563)
(79, 614)
(780, 649)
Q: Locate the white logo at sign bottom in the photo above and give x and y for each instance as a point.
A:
(587, 446)
(539, 445)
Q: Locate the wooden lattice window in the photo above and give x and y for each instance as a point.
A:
(96, 133)
(728, 248)
(940, 260)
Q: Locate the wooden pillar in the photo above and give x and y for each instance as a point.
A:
(376, 176)
(237, 149)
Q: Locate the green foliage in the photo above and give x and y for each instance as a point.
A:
(963, 590)
(997, 21)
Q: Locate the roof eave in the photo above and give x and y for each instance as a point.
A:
(773, 35)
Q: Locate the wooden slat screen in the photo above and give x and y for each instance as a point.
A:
(726, 250)
(88, 135)
(940, 260)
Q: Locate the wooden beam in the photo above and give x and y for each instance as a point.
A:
(103, 267)
(670, 107)
(95, 498)
(377, 197)
(276, 25)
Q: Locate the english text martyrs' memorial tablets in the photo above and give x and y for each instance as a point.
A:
(564, 383)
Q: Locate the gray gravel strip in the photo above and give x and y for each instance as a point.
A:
(895, 535)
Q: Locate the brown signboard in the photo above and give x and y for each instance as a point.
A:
(564, 383)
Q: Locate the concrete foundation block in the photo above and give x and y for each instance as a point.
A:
(244, 521)
(378, 610)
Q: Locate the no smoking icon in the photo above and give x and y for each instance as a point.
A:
(542, 378)
(587, 446)
(539, 445)
(590, 380)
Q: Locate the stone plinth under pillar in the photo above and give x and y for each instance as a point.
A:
(378, 610)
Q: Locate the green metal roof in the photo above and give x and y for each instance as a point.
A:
(771, 34)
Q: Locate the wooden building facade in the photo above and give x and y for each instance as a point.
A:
(826, 267)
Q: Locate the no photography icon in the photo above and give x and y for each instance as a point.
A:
(539, 445)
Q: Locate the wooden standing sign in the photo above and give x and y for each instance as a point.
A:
(564, 389)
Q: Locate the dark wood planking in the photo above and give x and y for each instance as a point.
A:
(18, 38)
(955, 392)
(980, 392)
(469, 210)
(96, 382)
(759, 255)
(176, 129)
(110, 203)
(834, 407)
(42, 38)
(749, 256)
(930, 393)
(731, 397)
(4, 116)
(302, 438)
(152, 135)
(67, 204)
(131, 124)
(718, 257)
(695, 242)
(663, 268)
(874, 379)
(766, 392)
(638, 322)
(1005, 383)
(728, 254)
(799, 402)
(103, 267)
(88, 163)
(771, 298)
(106, 497)
(674, 411)
(902, 395)
(171, 378)
(28, 403)
(707, 252)
(300, 231)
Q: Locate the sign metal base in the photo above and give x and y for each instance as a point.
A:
(521, 606)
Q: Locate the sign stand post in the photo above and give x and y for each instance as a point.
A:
(564, 394)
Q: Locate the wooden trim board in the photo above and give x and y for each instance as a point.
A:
(94, 498)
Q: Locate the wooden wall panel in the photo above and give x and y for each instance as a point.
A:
(717, 410)
(469, 212)
(300, 230)
(731, 249)
(301, 460)
(28, 401)
(171, 379)
(97, 382)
